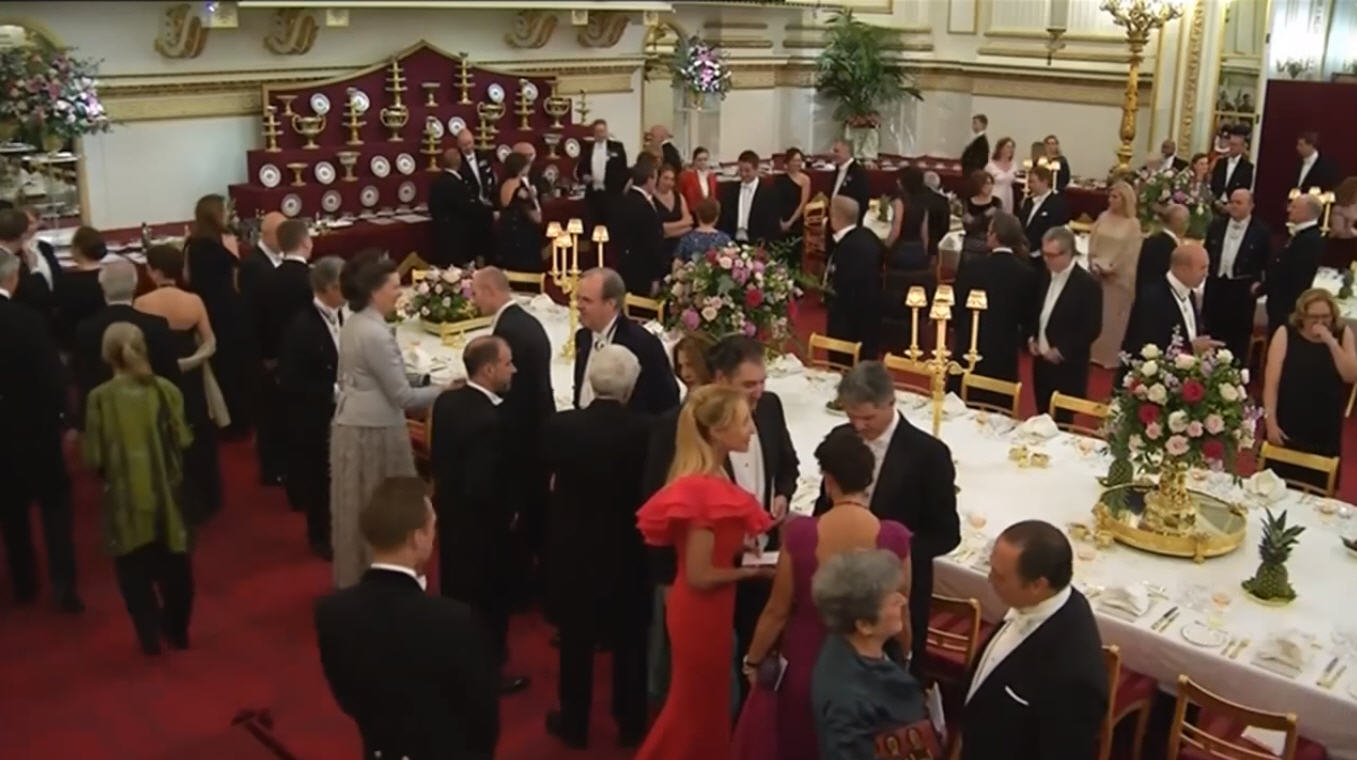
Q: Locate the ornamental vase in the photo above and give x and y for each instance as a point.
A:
(1169, 509)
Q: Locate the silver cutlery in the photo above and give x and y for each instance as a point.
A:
(1164, 620)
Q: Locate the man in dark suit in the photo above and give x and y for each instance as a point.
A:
(850, 179)
(1156, 249)
(1292, 271)
(291, 291)
(452, 206)
(976, 154)
(307, 368)
(258, 271)
(473, 494)
(939, 211)
(1061, 173)
(415, 672)
(479, 176)
(1169, 159)
(1042, 210)
(1038, 689)
(1008, 282)
(661, 140)
(1066, 317)
(914, 482)
(1233, 170)
(854, 278)
(118, 280)
(1172, 306)
(636, 233)
(601, 293)
(748, 208)
(39, 270)
(1314, 170)
(602, 169)
(1239, 246)
(32, 465)
(599, 591)
(287, 290)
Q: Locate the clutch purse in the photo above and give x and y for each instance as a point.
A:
(771, 671)
(914, 741)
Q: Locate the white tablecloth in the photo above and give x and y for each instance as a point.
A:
(994, 488)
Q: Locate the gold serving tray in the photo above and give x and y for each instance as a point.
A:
(1221, 526)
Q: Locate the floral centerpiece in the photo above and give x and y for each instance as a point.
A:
(1157, 188)
(49, 96)
(737, 289)
(700, 70)
(443, 296)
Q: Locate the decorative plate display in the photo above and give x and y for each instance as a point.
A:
(325, 172)
(502, 152)
(572, 147)
(495, 93)
(434, 127)
(551, 173)
(406, 191)
(292, 204)
(360, 100)
(530, 90)
(380, 166)
(331, 200)
(369, 196)
(456, 124)
(405, 164)
(320, 104)
(270, 175)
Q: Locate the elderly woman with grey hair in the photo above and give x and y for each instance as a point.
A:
(857, 692)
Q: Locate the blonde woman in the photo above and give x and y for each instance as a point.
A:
(1113, 252)
(135, 436)
(706, 517)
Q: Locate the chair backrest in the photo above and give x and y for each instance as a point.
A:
(641, 309)
(1012, 390)
(966, 638)
(1112, 662)
(410, 264)
(418, 275)
(1079, 406)
(908, 375)
(815, 213)
(530, 281)
(1326, 466)
(1182, 732)
(813, 220)
(831, 347)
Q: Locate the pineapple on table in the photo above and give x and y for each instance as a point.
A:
(1271, 580)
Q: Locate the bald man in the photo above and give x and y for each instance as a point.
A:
(476, 171)
(1239, 245)
(1172, 307)
(854, 277)
(1156, 249)
(1292, 271)
(453, 207)
(660, 140)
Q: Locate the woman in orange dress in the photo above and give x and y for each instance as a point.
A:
(707, 518)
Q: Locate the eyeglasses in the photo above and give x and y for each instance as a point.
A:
(1326, 316)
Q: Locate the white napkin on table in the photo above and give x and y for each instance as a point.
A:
(953, 405)
(1290, 648)
(1040, 426)
(1266, 484)
(784, 365)
(1132, 599)
(417, 359)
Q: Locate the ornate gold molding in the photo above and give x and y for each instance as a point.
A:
(1188, 114)
(182, 34)
(532, 29)
(1065, 54)
(293, 32)
(603, 30)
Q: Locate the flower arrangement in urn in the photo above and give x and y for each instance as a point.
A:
(700, 69)
(443, 296)
(736, 289)
(1157, 188)
(48, 96)
(1271, 582)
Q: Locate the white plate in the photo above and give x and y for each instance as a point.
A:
(406, 191)
(502, 152)
(331, 200)
(380, 166)
(495, 93)
(1203, 635)
(270, 175)
(360, 100)
(528, 89)
(434, 127)
(369, 196)
(572, 147)
(320, 104)
(456, 124)
(551, 173)
(291, 205)
(405, 164)
(325, 172)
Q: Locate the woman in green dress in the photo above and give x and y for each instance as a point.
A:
(135, 435)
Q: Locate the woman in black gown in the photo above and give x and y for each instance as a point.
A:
(1310, 362)
(672, 209)
(518, 233)
(981, 206)
(210, 270)
(80, 296)
(908, 240)
(792, 192)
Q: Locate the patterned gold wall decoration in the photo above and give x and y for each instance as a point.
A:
(1194, 65)
(603, 30)
(293, 33)
(532, 29)
(182, 34)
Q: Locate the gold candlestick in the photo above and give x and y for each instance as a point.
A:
(600, 236)
(915, 299)
(297, 169)
(271, 129)
(1327, 199)
(430, 94)
(526, 104)
(486, 131)
(568, 280)
(556, 106)
(308, 127)
(286, 100)
(351, 113)
(465, 80)
(940, 365)
(348, 159)
(431, 148)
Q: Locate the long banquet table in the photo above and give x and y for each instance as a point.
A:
(996, 492)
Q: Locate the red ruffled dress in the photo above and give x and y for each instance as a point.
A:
(695, 721)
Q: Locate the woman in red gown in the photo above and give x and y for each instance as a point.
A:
(706, 518)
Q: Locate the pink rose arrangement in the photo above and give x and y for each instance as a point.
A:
(48, 92)
(700, 68)
(444, 295)
(738, 289)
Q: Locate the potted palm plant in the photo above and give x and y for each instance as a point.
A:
(856, 71)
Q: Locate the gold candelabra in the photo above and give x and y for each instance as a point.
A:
(1326, 199)
(352, 113)
(526, 105)
(1050, 163)
(565, 272)
(308, 127)
(940, 364)
(272, 129)
(1140, 17)
(464, 80)
(556, 106)
(486, 131)
(600, 236)
(431, 143)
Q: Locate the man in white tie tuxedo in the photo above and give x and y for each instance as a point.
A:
(1239, 246)
(850, 178)
(602, 169)
(1233, 170)
(1315, 170)
(602, 323)
(748, 210)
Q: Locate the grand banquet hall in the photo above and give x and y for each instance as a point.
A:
(1098, 255)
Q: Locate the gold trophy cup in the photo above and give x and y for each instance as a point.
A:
(430, 94)
(488, 113)
(394, 118)
(348, 159)
(297, 169)
(526, 106)
(552, 140)
(556, 107)
(308, 127)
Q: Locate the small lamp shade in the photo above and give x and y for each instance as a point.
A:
(916, 298)
(553, 230)
(977, 300)
(940, 312)
(944, 296)
(600, 234)
(575, 226)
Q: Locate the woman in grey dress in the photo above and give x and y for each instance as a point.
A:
(369, 440)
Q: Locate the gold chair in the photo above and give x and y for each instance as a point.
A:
(418, 275)
(534, 282)
(832, 346)
(814, 217)
(900, 366)
(953, 636)
(649, 308)
(1217, 729)
(1129, 693)
(1327, 466)
(993, 385)
(1079, 406)
(1258, 344)
(410, 264)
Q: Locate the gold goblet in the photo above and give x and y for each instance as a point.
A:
(430, 94)
(297, 168)
(308, 127)
(348, 159)
(552, 139)
(393, 118)
(286, 100)
(556, 107)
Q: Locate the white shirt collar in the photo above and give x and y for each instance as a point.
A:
(420, 579)
(6, 293)
(1308, 162)
(977, 135)
(274, 258)
(1039, 612)
(1180, 289)
(1037, 200)
(453, 172)
(607, 331)
(494, 397)
(1172, 234)
(838, 235)
(325, 309)
(1241, 224)
(844, 166)
(1234, 159)
(886, 435)
(600, 144)
(752, 184)
(1063, 274)
(297, 257)
(643, 192)
(494, 320)
(1303, 226)
(1002, 249)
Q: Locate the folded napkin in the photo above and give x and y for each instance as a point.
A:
(1132, 599)
(953, 404)
(1290, 648)
(417, 359)
(1266, 484)
(1040, 426)
(1272, 741)
(787, 364)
